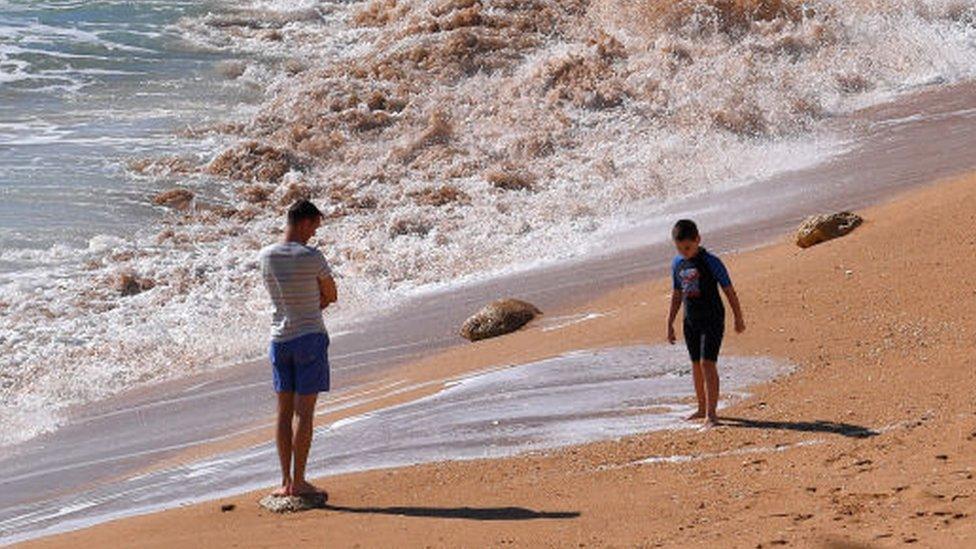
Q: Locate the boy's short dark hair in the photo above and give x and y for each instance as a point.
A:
(684, 229)
(301, 210)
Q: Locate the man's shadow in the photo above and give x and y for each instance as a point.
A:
(468, 513)
(819, 426)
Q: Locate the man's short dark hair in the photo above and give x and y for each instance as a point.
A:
(684, 229)
(302, 210)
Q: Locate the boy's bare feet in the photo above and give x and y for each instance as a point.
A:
(305, 488)
(697, 415)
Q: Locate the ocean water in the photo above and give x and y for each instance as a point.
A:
(446, 140)
(577, 398)
(83, 87)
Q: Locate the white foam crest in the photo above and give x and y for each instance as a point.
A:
(37, 33)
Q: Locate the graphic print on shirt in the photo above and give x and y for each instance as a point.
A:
(690, 279)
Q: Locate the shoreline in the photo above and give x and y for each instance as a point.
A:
(158, 425)
(780, 447)
(941, 105)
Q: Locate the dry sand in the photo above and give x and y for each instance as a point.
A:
(869, 443)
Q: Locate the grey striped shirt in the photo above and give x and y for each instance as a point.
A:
(291, 271)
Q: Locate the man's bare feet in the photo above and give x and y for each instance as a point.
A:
(305, 488)
(697, 415)
(283, 490)
(710, 423)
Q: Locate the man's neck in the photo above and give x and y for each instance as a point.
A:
(293, 236)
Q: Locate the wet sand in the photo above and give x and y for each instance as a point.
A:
(898, 146)
(868, 443)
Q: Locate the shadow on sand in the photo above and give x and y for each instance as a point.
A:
(468, 513)
(819, 426)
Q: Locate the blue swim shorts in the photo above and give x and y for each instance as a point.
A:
(301, 365)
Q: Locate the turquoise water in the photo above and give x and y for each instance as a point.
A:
(85, 86)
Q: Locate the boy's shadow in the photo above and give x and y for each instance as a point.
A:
(468, 513)
(819, 426)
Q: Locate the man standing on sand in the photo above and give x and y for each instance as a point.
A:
(301, 286)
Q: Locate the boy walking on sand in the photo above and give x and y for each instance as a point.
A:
(300, 284)
(696, 276)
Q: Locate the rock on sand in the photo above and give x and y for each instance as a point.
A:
(498, 318)
(821, 228)
(293, 504)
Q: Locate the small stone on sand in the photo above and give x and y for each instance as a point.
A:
(293, 504)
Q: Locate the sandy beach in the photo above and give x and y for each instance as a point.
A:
(867, 443)
(459, 152)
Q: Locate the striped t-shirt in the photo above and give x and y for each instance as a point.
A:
(291, 271)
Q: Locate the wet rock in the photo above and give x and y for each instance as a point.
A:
(129, 284)
(852, 83)
(440, 196)
(227, 507)
(498, 318)
(821, 228)
(293, 66)
(511, 180)
(741, 117)
(253, 161)
(293, 504)
(256, 194)
(178, 199)
(409, 226)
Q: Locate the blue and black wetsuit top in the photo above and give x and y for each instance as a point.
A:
(698, 280)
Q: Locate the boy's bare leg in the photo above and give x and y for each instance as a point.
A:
(283, 437)
(305, 410)
(710, 371)
(696, 374)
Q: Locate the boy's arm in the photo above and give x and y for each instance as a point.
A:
(328, 293)
(673, 313)
(740, 323)
(725, 281)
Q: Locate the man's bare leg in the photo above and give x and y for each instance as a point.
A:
(305, 410)
(696, 373)
(710, 371)
(283, 437)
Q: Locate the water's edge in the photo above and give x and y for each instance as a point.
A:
(572, 399)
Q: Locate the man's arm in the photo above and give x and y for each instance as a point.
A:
(673, 313)
(740, 323)
(328, 293)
